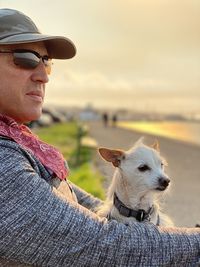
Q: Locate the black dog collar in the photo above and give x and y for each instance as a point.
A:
(140, 214)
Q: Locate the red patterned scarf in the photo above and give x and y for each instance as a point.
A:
(49, 156)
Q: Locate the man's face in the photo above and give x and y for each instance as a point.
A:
(22, 90)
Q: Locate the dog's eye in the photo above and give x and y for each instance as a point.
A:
(144, 168)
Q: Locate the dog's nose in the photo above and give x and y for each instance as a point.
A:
(163, 182)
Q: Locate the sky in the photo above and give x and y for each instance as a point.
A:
(136, 54)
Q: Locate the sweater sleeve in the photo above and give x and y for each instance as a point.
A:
(85, 199)
(38, 228)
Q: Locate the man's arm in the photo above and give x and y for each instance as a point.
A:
(37, 227)
(85, 199)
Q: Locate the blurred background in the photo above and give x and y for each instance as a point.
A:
(144, 52)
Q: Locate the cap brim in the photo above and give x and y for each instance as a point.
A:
(58, 47)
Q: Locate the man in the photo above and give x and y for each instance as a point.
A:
(45, 220)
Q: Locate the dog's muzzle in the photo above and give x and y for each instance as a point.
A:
(163, 183)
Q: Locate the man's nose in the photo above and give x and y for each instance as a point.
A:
(40, 73)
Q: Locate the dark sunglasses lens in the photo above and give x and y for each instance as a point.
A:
(26, 60)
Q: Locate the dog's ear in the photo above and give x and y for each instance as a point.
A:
(139, 142)
(112, 155)
(156, 145)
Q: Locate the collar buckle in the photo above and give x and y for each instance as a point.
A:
(141, 214)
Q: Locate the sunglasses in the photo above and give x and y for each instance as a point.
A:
(28, 59)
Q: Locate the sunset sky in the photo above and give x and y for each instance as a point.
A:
(136, 54)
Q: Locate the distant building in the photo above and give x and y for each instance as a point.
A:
(89, 114)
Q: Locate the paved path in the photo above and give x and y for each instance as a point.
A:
(182, 203)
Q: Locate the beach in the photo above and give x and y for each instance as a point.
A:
(181, 203)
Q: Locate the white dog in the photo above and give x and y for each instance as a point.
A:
(138, 181)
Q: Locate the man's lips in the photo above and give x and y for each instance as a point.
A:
(36, 95)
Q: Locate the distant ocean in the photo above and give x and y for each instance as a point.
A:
(179, 130)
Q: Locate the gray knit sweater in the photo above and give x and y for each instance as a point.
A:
(42, 224)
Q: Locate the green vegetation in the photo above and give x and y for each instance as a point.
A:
(64, 136)
(89, 179)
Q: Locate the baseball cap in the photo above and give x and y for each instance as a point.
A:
(17, 28)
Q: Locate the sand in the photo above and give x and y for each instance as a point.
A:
(182, 201)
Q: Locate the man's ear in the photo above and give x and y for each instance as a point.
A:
(112, 155)
(156, 145)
